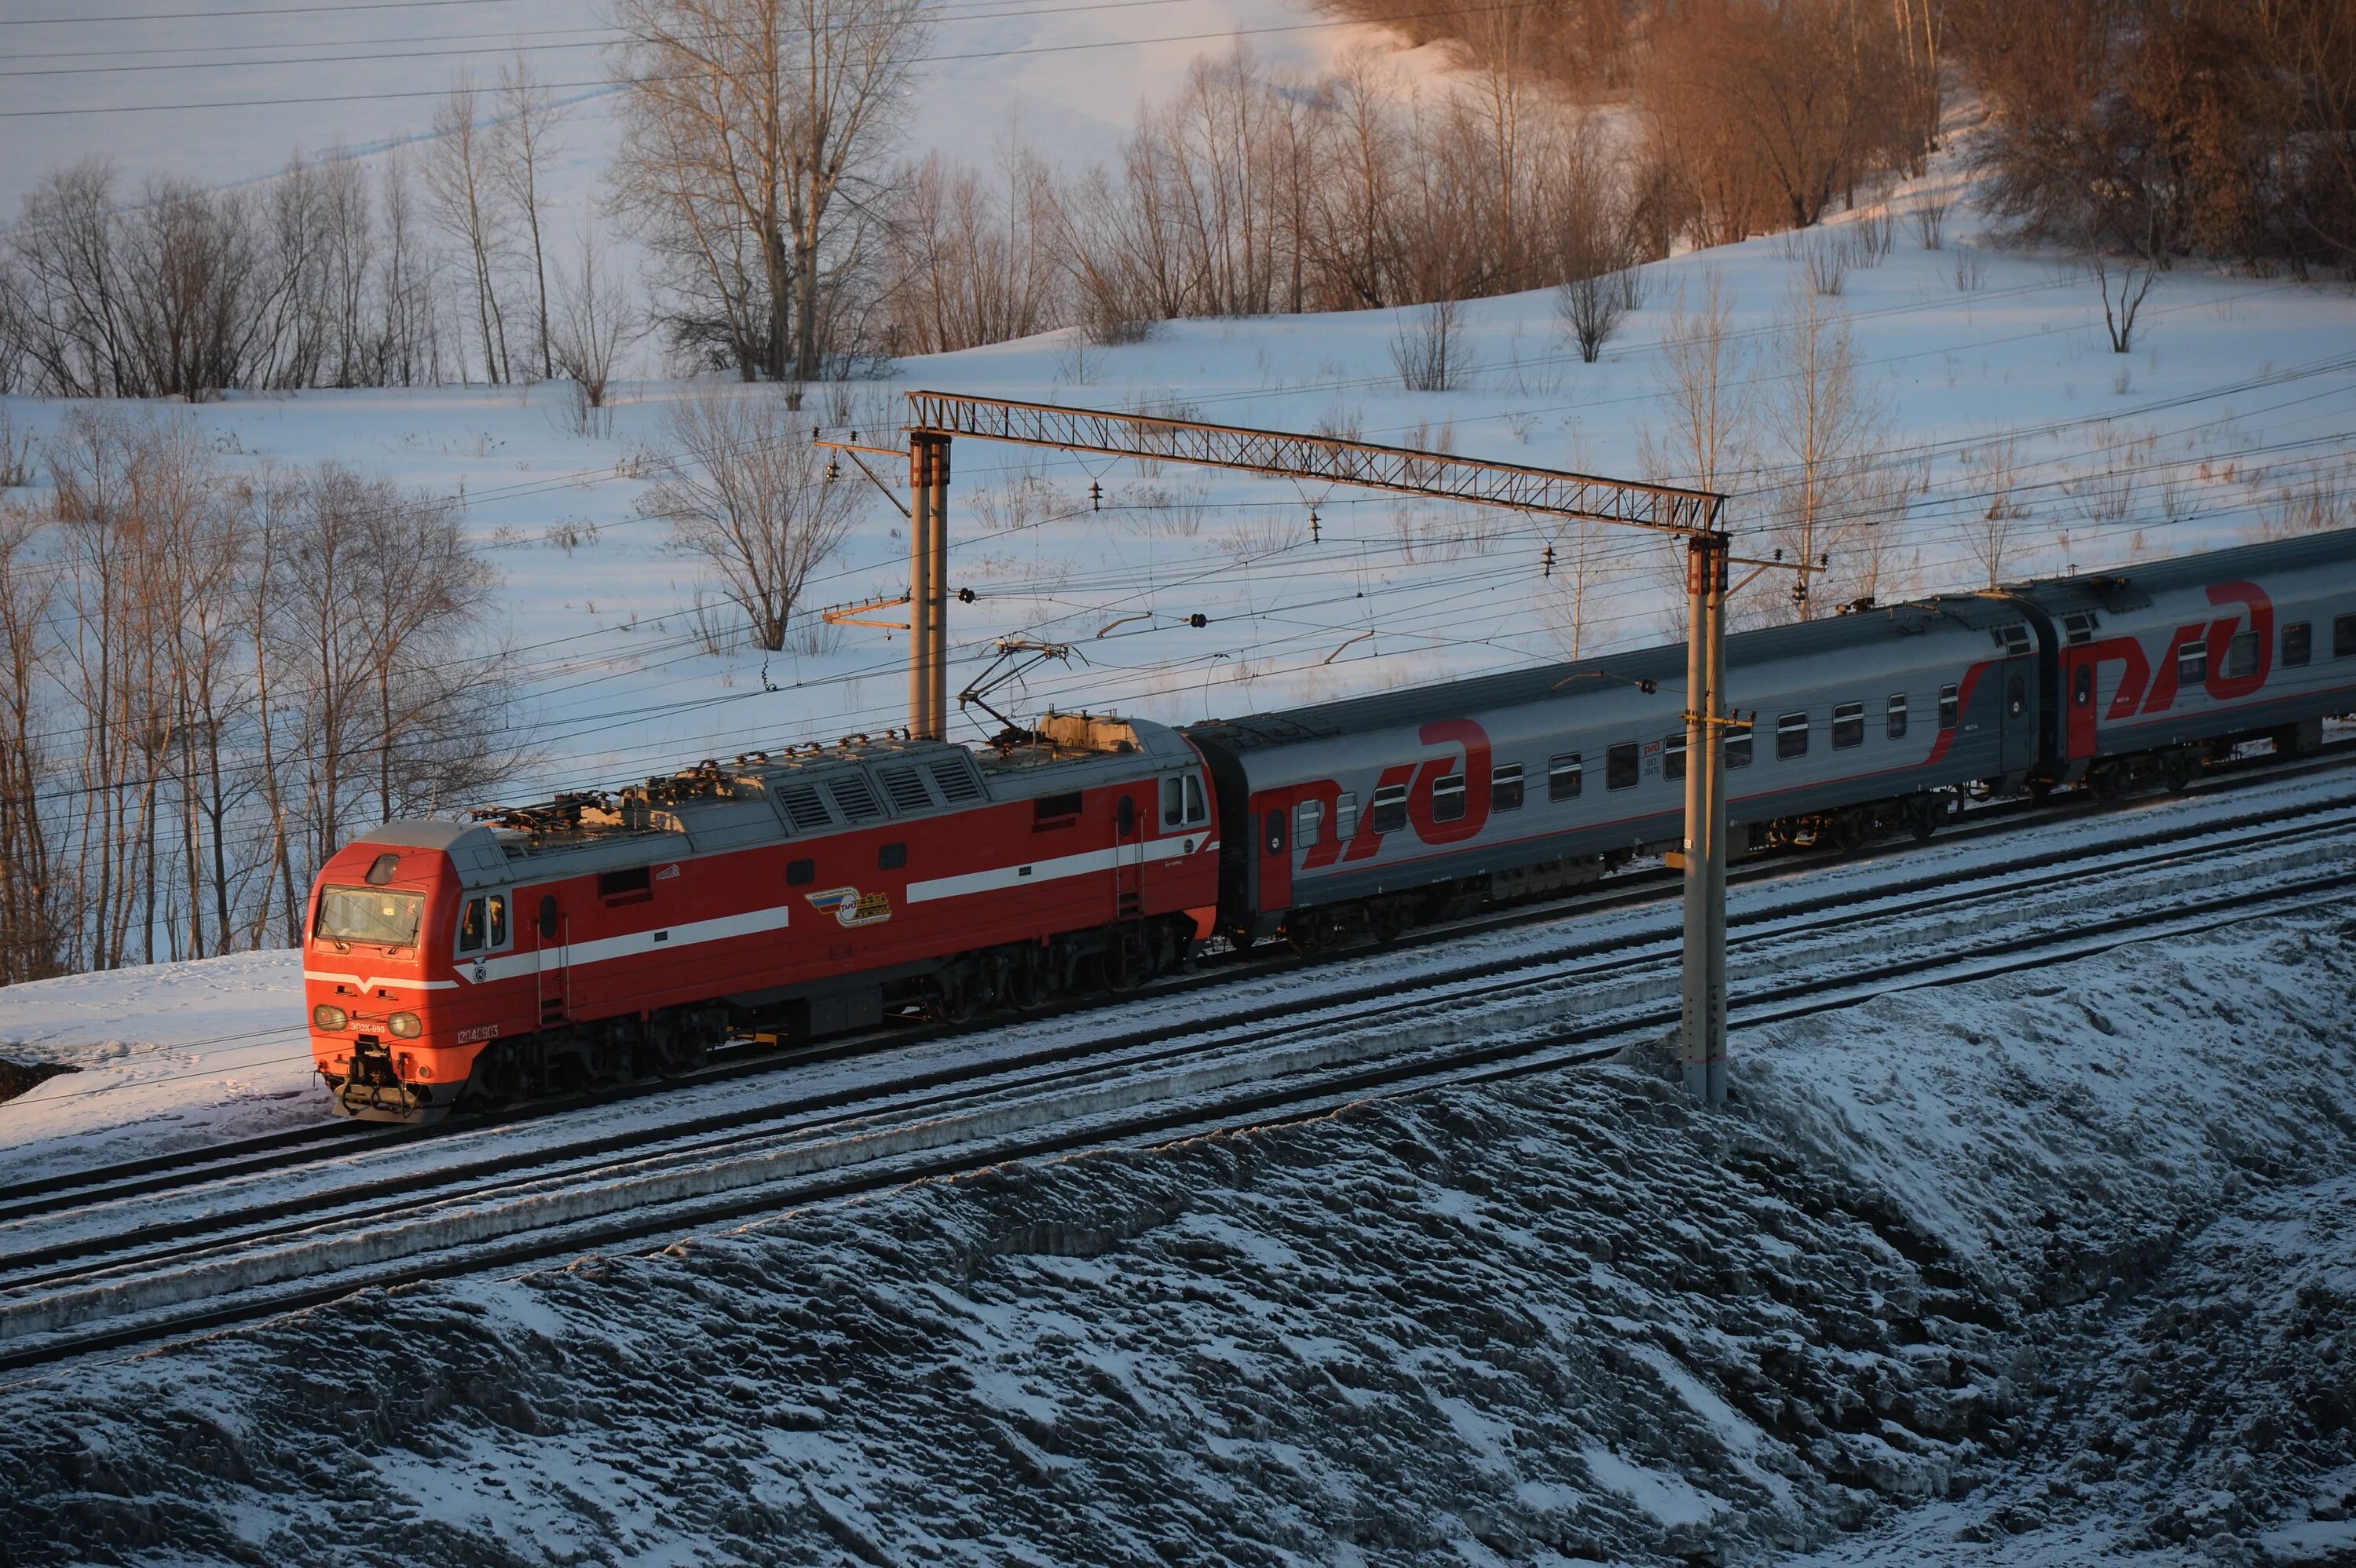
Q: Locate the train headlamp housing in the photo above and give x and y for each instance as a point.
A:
(404, 1026)
(329, 1017)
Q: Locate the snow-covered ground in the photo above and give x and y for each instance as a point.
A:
(2047, 1269)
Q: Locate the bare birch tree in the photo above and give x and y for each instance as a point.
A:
(1823, 428)
(459, 172)
(751, 129)
(748, 496)
(525, 142)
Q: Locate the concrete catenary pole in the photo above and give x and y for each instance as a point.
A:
(928, 483)
(936, 652)
(1702, 1034)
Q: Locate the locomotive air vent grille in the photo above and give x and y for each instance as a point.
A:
(907, 789)
(954, 780)
(803, 807)
(853, 798)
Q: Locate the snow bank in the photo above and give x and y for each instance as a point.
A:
(1566, 1318)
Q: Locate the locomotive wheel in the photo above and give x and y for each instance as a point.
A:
(1027, 986)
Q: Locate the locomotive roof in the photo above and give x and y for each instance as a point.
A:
(1663, 664)
(759, 798)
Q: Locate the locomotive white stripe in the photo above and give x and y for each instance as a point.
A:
(390, 982)
(1078, 864)
(515, 965)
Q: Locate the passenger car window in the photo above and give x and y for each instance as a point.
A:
(1792, 735)
(2343, 636)
(1447, 798)
(1738, 749)
(1389, 813)
(1305, 831)
(2242, 655)
(1506, 788)
(1896, 720)
(1619, 766)
(2298, 641)
(1849, 725)
(1345, 814)
(2192, 662)
(1562, 777)
(1673, 756)
(1949, 707)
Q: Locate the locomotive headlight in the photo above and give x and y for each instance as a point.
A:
(329, 1017)
(404, 1026)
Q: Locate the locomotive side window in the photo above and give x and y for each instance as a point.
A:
(1792, 735)
(1849, 725)
(2242, 655)
(1738, 749)
(1173, 802)
(1305, 832)
(1673, 757)
(800, 873)
(2298, 643)
(2343, 636)
(1389, 814)
(1056, 810)
(891, 857)
(483, 925)
(1506, 788)
(1950, 708)
(1619, 766)
(1562, 777)
(1197, 811)
(2192, 662)
(1124, 817)
(1345, 814)
(548, 917)
(1447, 798)
(1896, 720)
(634, 885)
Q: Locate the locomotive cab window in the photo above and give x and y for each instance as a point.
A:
(483, 923)
(375, 915)
(1792, 735)
(1849, 725)
(1621, 765)
(2297, 645)
(1345, 814)
(1896, 724)
(1304, 831)
(1673, 757)
(1562, 777)
(1950, 708)
(2192, 662)
(1506, 788)
(1389, 813)
(1447, 798)
(2343, 636)
(1182, 802)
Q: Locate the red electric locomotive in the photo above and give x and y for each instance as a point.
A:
(599, 938)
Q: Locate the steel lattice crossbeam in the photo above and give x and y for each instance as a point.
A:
(1408, 472)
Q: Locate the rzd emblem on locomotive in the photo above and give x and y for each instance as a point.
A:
(852, 906)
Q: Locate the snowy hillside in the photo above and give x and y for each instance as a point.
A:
(2230, 417)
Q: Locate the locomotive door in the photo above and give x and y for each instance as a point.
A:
(555, 976)
(1127, 859)
(1271, 827)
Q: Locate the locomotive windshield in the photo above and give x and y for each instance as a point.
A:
(371, 914)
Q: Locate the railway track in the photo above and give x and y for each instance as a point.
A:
(326, 1142)
(1477, 1020)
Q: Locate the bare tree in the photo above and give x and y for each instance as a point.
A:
(1590, 309)
(408, 351)
(459, 172)
(34, 909)
(593, 320)
(524, 142)
(1427, 348)
(748, 496)
(2124, 284)
(1824, 429)
(752, 129)
(1992, 533)
(1706, 395)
